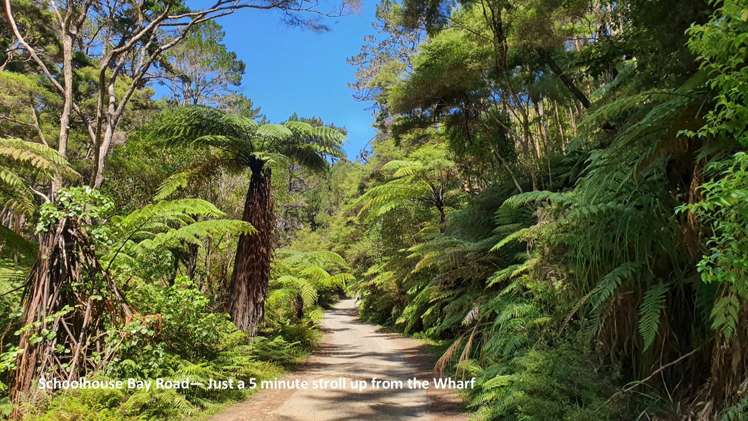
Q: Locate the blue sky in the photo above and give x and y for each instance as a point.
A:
(291, 69)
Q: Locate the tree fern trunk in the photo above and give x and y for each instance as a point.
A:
(71, 315)
(299, 307)
(249, 283)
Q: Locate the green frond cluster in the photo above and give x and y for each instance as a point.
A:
(609, 284)
(650, 312)
(535, 197)
(195, 233)
(241, 140)
(168, 225)
(23, 165)
(303, 280)
(427, 177)
(197, 124)
(167, 211)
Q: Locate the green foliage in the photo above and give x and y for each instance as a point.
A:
(588, 254)
(558, 193)
(650, 312)
(544, 384)
(736, 412)
(176, 337)
(610, 283)
(201, 69)
(237, 142)
(718, 44)
(167, 226)
(726, 264)
(426, 176)
(277, 350)
(301, 283)
(448, 65)
(180, 322)
(22, 163)
(162, 404)
(81, 202)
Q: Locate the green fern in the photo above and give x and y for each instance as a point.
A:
(24, 162)
(427, 177)
(650, 312)
(235, 142)
(534, 197)
(168, 225)
(725, 315)
(610, 283)
(196, 233)
(518, 235)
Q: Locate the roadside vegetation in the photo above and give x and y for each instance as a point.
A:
(558, 192)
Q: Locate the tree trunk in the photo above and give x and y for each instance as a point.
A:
(59, 300)
(442, 220)
(110, 117)
(249, 282)
(299, 307)
(67, 104)
(190, 261)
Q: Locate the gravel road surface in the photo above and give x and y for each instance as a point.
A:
(354, 353)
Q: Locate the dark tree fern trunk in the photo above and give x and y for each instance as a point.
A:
(249, 283)
(63, 308)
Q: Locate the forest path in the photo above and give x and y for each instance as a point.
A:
(354, 350)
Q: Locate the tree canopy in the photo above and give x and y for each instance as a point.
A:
(556, 196)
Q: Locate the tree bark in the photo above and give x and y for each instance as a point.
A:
(299, 307)
(67, 108)
(249, 282)
(66, 257)
(67, 97)
(109, 118)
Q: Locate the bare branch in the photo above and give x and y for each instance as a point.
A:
(8, 11)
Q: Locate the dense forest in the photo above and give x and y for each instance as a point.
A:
(557, 195)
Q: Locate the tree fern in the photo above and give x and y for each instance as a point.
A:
(37, 156)
(168, 225)
(196, 233)
(24, 162)
(309, 276)
(427, 177)
(167, 210)
(242, 138)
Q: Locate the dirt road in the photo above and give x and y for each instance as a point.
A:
(354, 351)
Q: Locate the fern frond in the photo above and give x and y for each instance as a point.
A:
(197, 232)
(725, 315)
(167, 210)
(273, 132)
(650, 312)
(14, 246)
(36, 156)
(183, 125)
(609, 284)
(518, 235)
(533, 197)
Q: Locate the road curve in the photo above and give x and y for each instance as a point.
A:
(353, 350)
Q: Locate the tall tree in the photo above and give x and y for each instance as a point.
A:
(201, 70)
(125, 41)
(238, 143)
